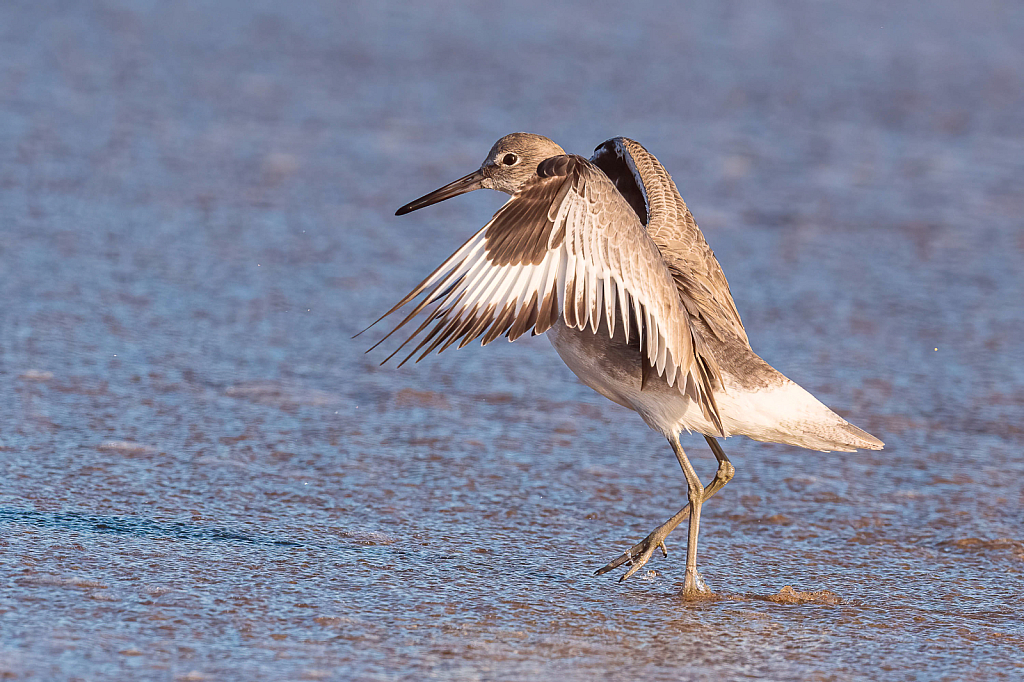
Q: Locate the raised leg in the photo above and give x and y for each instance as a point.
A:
(638, 555)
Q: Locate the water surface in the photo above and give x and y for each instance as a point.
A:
(203, 477)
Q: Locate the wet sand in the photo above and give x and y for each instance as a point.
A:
(202, 477)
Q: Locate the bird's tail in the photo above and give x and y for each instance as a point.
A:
(786, 413)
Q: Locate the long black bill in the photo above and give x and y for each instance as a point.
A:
(453, 189)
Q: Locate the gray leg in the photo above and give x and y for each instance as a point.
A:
(638, 554)
(695, 491)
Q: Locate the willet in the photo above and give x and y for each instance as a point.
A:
(604, 255)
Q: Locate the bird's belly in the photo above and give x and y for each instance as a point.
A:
(773, 410)
(612, 368)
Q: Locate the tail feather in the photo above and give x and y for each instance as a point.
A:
(862, 435)
(786, 413)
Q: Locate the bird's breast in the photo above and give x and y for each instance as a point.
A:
(612, 367)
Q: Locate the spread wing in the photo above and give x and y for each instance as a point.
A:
(566, 244)
(649, 189)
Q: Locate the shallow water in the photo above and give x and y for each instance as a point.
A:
(203, 477)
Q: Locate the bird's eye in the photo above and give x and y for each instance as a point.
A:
(509, 160)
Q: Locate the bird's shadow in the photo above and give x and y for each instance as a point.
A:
(136, 526)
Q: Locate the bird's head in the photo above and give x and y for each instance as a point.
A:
(512, 161)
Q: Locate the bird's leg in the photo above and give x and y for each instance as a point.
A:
(725, 469)
(638, 554)
(692, 583)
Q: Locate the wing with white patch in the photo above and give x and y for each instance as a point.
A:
(567, 243)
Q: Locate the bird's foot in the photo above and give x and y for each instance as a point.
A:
(638, 555)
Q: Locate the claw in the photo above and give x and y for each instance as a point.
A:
(636, 556)
(638, 564)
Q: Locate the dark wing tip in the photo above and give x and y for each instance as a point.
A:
(606, 147)
(613, 145)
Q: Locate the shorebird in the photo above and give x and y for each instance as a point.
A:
(604, 256)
